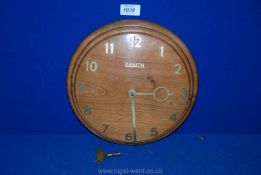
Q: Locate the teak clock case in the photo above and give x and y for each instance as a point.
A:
(125, 29)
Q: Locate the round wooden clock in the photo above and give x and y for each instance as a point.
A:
(132, 82)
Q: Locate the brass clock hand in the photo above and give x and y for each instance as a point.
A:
(154, 94)
(132, 94)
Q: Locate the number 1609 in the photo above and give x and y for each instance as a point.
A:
(129, 10)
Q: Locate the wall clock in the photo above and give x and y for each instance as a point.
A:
(132, 82)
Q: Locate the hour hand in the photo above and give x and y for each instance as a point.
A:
(160, 94)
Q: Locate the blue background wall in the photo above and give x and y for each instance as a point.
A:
(38, 38)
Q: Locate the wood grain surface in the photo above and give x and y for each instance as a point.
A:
(132, 55)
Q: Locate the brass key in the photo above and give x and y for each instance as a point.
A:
(101, 155)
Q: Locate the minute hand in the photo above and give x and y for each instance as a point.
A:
(133, 118)
(132, 94)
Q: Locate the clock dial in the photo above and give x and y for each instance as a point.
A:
(132, 82)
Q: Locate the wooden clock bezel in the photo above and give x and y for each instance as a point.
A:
(133, 26)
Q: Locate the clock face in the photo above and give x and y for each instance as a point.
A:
(132, 82)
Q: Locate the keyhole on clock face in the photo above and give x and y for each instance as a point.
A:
(152, 81)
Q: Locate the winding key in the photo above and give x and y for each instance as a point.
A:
(101, 155)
